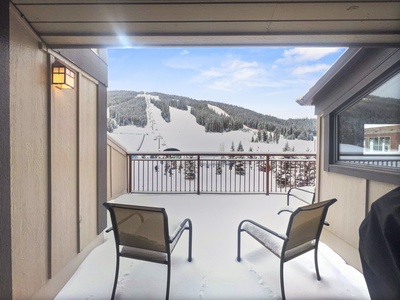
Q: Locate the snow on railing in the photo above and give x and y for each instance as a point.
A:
(221, 172)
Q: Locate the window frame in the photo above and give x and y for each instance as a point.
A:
(331, 145)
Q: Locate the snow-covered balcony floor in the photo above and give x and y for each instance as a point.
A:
(214, 272)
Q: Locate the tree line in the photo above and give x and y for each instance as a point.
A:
(126, 108)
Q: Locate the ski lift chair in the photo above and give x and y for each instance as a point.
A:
(302, 235)
(142, 233)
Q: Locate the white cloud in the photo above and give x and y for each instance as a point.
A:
(297, 55)
(211, 73)
(232, 74)
(184, 52)
(310, 69)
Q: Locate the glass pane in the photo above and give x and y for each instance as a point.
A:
(369, 130)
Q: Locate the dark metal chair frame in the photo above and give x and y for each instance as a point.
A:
(184, 225)
(324, 205)
(290, 194)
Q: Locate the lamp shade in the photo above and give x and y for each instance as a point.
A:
(62, 76)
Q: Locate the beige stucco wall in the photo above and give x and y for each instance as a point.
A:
(116, 169)
(87, 161)
(355, 196)
(64, 167)
(53, 136)
(29, 162)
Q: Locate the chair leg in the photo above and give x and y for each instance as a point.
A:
(168, 279)
(190, 241)
(238, 246)
(282, 280)
(316, 263)
(115, 278)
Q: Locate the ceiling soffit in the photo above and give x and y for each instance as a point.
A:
(126, 23)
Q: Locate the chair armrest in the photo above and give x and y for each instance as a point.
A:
(300, 189)
(289, 210)
(298, 197)
(180, 228)
(281, 236)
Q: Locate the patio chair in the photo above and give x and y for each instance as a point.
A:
(142, 233)
(302, 194)
(302, 235)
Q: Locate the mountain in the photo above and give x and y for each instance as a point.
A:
(129, 108)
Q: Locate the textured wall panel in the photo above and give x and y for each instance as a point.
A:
(87, 161)
(64, 173)
(117, 169)
(29, 162)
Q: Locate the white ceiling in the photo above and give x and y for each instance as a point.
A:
(107, 23)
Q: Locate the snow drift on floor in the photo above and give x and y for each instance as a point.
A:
(214, 272)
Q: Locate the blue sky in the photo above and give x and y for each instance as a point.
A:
(266, 80)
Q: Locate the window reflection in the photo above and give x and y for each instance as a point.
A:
(369, 130)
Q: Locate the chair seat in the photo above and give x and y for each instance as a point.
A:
(275, 244)
(270, 241)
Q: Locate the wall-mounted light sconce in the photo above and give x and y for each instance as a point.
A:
(62, 77)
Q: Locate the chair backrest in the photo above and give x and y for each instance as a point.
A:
(305, 224)
(304, 194)
(140, 226)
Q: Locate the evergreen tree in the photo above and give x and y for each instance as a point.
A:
(111, 125)
(269, 138)
(218, 170)
(190, 169)
(286, 147)
(259, 135)
(264, 136)
(277, 135)
(240, 147)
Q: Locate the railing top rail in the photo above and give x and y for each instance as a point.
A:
(201, 153)
(221, 159)
(216, 158)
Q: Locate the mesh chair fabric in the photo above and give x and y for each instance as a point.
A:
(304, 227)
(141, 229)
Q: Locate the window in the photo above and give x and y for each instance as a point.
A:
(368, 130)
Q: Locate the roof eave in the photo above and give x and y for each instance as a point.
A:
(310, 98)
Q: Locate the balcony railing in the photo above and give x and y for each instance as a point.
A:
(388, 159)
(234, 172)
